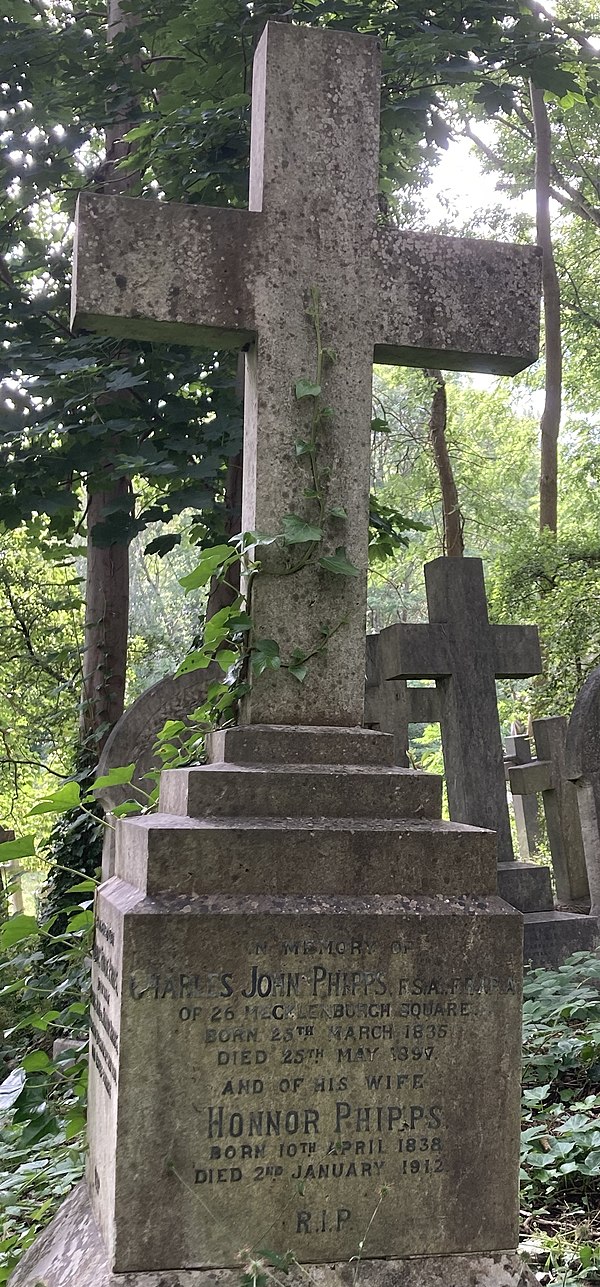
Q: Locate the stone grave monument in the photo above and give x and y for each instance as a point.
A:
(517, 750)
(306, 992)
(547, 774)
(465, 655)
(390, 706)
(582, 764)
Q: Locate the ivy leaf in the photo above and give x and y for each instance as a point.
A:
(24, 847)
(304, 448)
(117, 777)
(339, 563)
(306, 389)
(265, 656)
(81, 921)
(200, 660)
(338, 511)
(211, 559)
(128, 806)
(379, 425)
(67, 797)
(226, 658)
(37, 1061)
(16, 929)
(299, 671)
(296, 531)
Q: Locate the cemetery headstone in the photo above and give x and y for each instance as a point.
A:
(583, 768)
(306, 1016)
(10, 878)
(132, 741)
(465, 655)
(517, 750)
(391, 706)
(548, 774)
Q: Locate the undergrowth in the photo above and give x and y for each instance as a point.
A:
(42, 1135)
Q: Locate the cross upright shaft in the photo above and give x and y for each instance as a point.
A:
(231, 278)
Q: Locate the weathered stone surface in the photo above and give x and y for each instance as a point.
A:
(548, 774)
(550, 937)
(222, 277)
(583, 768)
(70, 1254)
(260, 1003)
(464, 654)
(304, 790)
(267, 744)
(526, 886)
(517, 750)
(390, 705)
(360, 856)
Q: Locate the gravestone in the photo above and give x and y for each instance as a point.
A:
(582, 763)
(133, 738)
(517, 750)
(548, 774)
(465, 655)
(390, 706)
(306, 1014)
(11, 887)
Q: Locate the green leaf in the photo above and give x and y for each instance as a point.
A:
(210, 560)
(81, 921)
(195, 661)
(118, 776)
(299, 671)
(37, 1061)
(304, 448)
(67, 797)
(16, 929)
(24, 847)
(339, 563)
(128, 806)
(265, 656)
(379, 425)
(226, 658)
(306, 389)
(75, 1125)
(338, 511)
(296, 531)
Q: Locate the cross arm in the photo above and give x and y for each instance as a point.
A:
(414, 651)
(530, 779)
(160, 271)
(456, 303)
(516, 651)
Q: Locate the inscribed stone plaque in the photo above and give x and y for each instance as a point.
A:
(303, 1075)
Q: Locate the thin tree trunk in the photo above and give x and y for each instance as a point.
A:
(107, 577)
(453, 519)
(550, 423)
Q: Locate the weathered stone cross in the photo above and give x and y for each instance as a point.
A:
(228, 278)
(549, 774)
(465, 654)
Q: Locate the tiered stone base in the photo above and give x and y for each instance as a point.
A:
(70, 1254)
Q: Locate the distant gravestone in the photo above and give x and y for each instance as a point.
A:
(465, 655)
(391, 706)
(517, 750)
(548, 774)
(132, 741)
(583, 768)
(11, 889)
(305, 1027)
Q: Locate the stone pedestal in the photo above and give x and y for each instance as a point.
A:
(305, 1029)
(70, 1254)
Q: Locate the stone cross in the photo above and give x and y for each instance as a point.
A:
(548, 774)
(231, 278)
(465, 655)
(11, 890)
(391, 706)
(583, 768)
(517, 751)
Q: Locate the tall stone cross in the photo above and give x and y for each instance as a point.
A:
(230, 278)
(465, 655)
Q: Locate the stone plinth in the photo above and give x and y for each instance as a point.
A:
(70, 1254)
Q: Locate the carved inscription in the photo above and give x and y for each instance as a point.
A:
(104, 1040)
(320, 1069)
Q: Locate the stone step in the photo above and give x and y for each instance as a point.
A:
(362, 856)
(550, 937)
(283, 744)
(307, 790)
(526, 886)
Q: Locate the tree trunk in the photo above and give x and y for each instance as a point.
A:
(107, 576)
(453, 519)
(550, 423)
